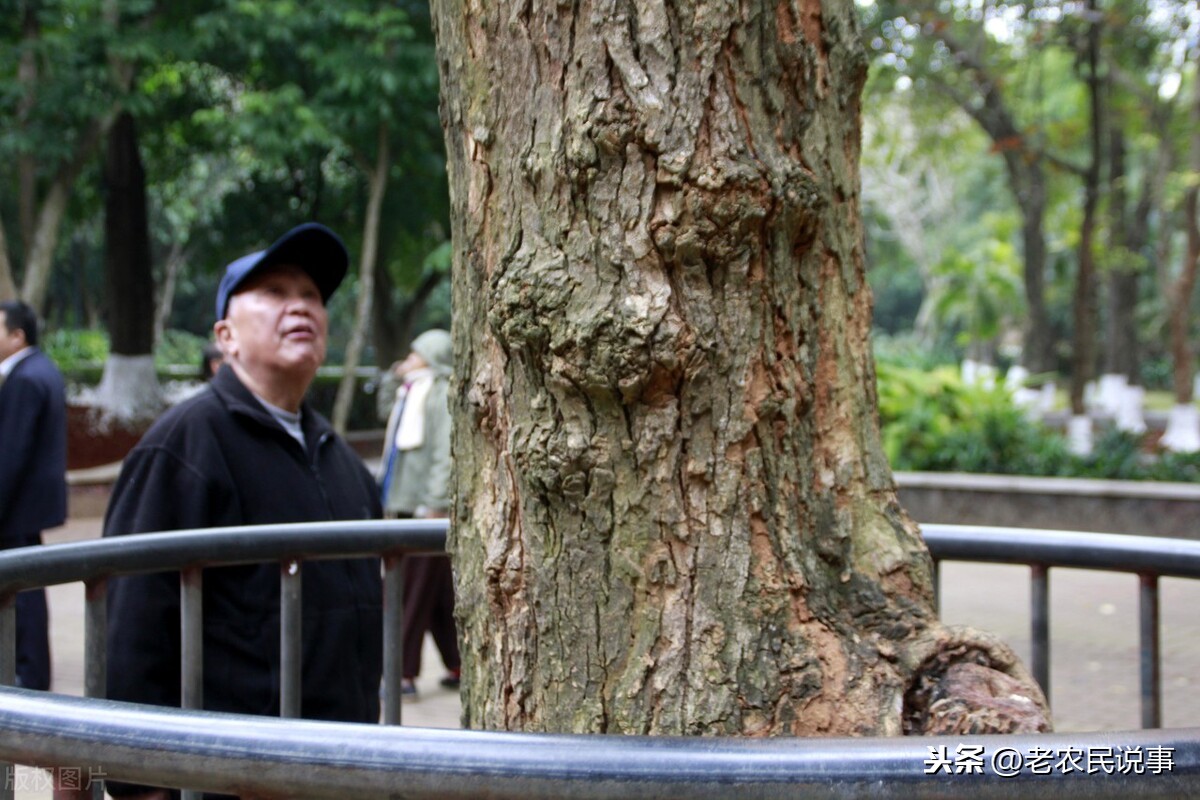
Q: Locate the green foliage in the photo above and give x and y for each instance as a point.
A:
(80, 355)
(72, 349)
(77, 348)
(980, 290)
(1183, 467)
(179, 347)
(905, 350)
(931, 421)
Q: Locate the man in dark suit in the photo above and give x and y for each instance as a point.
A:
(33, 470)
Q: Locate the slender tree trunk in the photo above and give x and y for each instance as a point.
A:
(41, 220)
(1084, 351)
(394, 330)
(8, 287)
(53, 207)
(176, 258)
(1038, 355)
(1026, 177)
(1121, 340)
(27, 78)
(673, 513)
(1184, 287)
(366, 280)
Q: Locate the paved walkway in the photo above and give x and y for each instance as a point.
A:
(1094, 641)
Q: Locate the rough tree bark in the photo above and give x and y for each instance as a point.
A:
(673, 514)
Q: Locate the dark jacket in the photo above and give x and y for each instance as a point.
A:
(221, 459)
(33, 451)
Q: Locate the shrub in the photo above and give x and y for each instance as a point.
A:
(74, 349)
(932, 421)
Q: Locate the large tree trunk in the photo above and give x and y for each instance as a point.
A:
(673, 513)
(129, 389)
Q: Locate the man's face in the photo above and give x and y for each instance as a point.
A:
(276, 323)
(10, 341)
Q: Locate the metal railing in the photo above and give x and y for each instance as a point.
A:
(263, 757)
(1150, 558)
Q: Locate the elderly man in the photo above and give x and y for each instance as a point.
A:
(33, 470)
(249, 450)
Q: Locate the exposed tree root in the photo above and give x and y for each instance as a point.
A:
(969, 682)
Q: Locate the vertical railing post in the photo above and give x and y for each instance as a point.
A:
(8, 640)
(95, 655)
(290, 640)
(95, 631)
(1039, 584)
(191, 619)
(1150, 651)
(393, 636)
(8, 677)
(937, 587)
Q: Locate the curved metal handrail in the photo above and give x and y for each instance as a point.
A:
(1161, 556)
(273, 757)
(270, 757)
(30, 567)
(71, 562)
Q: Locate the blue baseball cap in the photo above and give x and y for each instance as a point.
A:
(311, 246)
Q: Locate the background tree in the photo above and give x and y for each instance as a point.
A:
(129, 388)
(674, 514)
(978, 292)
(1183, 432)
(948, 49)
(59, 81)
(1083, 362)
(357, 83)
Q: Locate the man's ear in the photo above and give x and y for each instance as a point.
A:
(225, 335)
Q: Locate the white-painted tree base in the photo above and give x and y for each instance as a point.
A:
(1080, 437)
(128, 392)
(1110, 393)
(1183, 430)
(1049, 397)
(1130, 415)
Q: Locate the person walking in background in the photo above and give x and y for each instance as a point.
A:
(415, 484)
(248, 449)
(33, 470)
